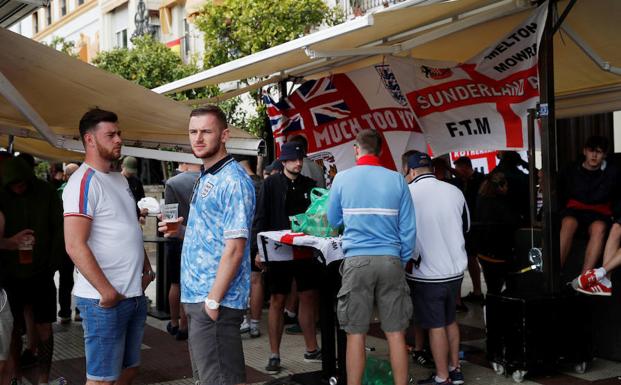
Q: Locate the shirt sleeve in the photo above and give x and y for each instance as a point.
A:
(239, 202)
(80, 196)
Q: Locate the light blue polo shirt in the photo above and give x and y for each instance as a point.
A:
(222, 207)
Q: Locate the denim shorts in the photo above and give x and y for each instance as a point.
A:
(112, 336)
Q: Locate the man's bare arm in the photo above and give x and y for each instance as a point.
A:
(77, 231)
(227, 269)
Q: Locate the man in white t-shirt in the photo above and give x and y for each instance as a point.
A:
(104, 240)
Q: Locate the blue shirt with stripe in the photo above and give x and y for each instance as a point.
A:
(374, 205)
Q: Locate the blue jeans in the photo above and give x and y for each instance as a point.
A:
(112, 336)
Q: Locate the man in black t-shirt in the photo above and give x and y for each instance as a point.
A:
(283, 195)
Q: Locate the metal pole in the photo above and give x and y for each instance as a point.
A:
(532, 178)
(551, 248)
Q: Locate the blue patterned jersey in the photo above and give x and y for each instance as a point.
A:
(221, 208)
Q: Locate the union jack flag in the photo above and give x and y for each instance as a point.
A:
(313, 104)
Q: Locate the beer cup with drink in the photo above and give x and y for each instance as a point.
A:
(170, 216)
(25, 247)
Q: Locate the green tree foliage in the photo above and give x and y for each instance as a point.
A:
(60, 44)
(236, 28)
(149, 63)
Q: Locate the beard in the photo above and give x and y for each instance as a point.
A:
(206, 152)
(109, 155)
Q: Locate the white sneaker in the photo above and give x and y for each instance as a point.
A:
(245, 326)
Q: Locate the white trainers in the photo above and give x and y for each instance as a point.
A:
(245, 326)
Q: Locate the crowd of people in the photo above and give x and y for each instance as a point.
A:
(407, 240)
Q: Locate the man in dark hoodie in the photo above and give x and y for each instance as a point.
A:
(32, 204)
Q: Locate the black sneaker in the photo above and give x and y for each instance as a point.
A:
(456, 376)
(474, 298)
(172, 330)
(273, 365)
(314, 356)
(432, 381)
(423, 358)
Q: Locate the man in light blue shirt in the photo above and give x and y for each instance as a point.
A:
(215, 262)
(374, 205)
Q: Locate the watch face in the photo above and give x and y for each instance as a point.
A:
(211, 304)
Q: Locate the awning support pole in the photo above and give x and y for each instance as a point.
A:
(550, 235)
(561, 19)
(14, 97)
(10, 148)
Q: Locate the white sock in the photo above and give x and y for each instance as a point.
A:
(290, 313)
(254, 322)
(451, 368)
(439, 379)
(605, 281)
(600, 272)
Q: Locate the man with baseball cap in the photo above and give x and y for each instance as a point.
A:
(438, 265)
(283, 195)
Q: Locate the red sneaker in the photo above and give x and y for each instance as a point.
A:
(585, 280)
(597, 289)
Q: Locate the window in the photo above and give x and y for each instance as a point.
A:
(63, 7)
(121, 38)
(48, 13)
(186, 38)
(35, 22)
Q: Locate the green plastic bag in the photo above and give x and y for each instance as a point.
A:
(315, 220)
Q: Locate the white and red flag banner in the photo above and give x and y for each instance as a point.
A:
(330, 111)
(481, 104)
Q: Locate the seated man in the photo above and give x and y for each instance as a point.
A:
(586, 190)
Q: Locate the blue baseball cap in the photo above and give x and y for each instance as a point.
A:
(291, 151)
(419, 159)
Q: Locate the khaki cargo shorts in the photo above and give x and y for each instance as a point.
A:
(369, 280)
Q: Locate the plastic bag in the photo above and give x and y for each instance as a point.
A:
(315, 220)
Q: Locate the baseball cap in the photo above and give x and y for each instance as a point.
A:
(419, 159)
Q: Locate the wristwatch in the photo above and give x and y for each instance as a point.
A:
(212, 304)
(150, 274)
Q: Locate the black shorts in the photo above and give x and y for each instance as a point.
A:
(173, 261)
(38, 291)
(434, 303)
(585, 218)
(280, 275)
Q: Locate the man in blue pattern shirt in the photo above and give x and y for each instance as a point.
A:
(215, 262)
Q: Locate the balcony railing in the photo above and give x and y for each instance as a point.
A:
(354, 8)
